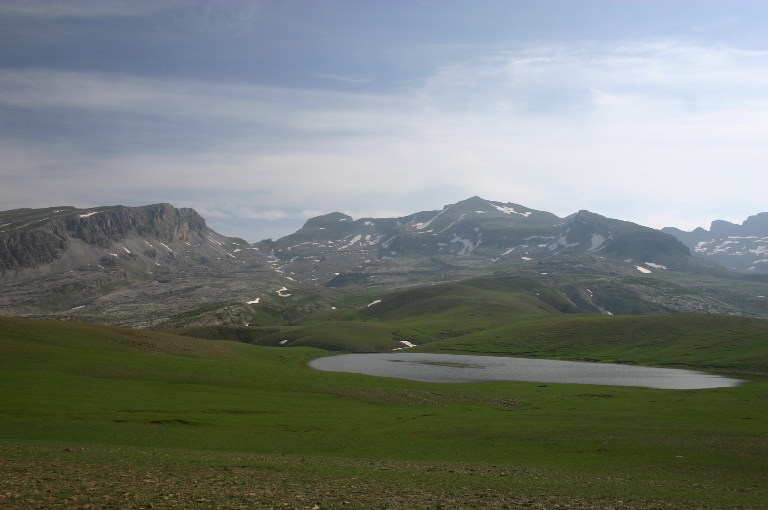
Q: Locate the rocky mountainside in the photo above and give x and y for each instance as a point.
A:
(139, 266)
(598, 264)
(471, 233)
(162, 267)
(742, 248)
(31, 238)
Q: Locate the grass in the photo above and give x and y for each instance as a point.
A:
(119, 418)
(712, 342)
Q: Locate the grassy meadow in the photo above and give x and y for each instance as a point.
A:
(105, 417)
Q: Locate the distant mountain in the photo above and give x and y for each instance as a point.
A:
(39, 241)
(162, 267)
(742, 248)
(138, 266)
(471, 233)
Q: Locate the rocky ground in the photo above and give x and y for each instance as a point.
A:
(77, 477)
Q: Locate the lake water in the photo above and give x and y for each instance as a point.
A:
(455, 368)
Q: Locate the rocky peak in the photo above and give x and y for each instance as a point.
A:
(37, 236)
(741, 248)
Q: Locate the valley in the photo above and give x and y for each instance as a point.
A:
(151, 362)
(107, 417)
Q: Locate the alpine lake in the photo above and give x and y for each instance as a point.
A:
(453, 368)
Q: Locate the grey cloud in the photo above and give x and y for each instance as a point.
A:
(249, 151)
(86, 8)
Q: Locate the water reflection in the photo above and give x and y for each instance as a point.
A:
(464, 368)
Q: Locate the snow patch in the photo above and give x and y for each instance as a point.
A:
(655, 266)
(281, 292)
(215, 241)
(373, 303)
(254, 302)
(643, 270)
(126, 250)
(510, 210)
(597, 240)
(420, 226)
(455, 222)
(468, 245)
(86, 214)
(354, 240)
(724, 247)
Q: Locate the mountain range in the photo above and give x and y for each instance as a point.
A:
(163, 267)
(742, 248)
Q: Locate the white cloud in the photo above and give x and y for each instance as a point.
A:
(274, 214)
(634, 131)
(311, 213)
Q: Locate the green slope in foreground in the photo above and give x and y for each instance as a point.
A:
(102, 417)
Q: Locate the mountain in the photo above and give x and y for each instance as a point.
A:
(469, 234)
(64, 236)
(138, 266)
(742, 248)
(162, 267)
(598, 264)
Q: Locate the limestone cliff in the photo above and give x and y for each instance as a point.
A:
(39, 236)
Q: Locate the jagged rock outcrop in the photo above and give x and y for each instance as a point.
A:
(31, 240)
(31, 248)
(162, 221)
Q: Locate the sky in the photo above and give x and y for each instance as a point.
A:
(261, 114)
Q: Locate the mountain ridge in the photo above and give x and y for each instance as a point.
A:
(742, 248)
(50, 237)
(158, 266)
(470, 233)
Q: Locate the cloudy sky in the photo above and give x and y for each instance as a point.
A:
(260, 114)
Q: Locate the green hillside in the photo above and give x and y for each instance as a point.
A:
(515, 316)
(711, 342)
(94, 416)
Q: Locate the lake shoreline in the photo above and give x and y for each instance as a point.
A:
(461, 368)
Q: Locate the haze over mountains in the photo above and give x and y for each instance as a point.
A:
(159, 266)
(742, 248)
